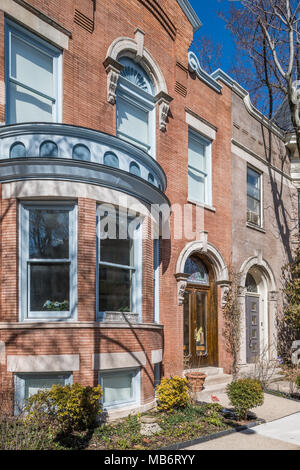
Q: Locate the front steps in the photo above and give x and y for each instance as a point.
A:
(215, 382)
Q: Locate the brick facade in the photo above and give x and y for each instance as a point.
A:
(168, 34)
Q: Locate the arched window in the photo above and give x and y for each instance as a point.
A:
(151, 178)
(81, 152)
(111, 159)
(135, 106)
(251, 285)
(17, 150)
(135, 169)
(197, 270)
(48, 149)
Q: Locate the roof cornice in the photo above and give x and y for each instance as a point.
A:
(244, 94)
(190, 14)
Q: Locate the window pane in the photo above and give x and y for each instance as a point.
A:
(253, 191)
(31, 66)
(196, 185)
(132, 121)
(117, 387)
(114, 289)
(120, 249)
(48, 233)
(253, 205)
(253, 178)
(26, 106)
(197, 155)
(34, 384)
(49, 287)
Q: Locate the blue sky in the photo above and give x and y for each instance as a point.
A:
(214, 27)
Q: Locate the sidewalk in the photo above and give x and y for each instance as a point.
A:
(281, 431)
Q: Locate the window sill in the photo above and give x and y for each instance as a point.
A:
(76, 324)
(255, 227)
(201, 204)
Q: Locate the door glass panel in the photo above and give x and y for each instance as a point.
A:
(200, 330)
(186, 327)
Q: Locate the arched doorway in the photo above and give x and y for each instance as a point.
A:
(200, 321)
(258, 311)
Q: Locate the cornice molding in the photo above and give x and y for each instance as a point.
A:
(190, 14)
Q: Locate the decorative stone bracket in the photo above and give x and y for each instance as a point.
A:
(163, 101)
(224, 286)
(181, 279)
(134, 49)
(113, 69)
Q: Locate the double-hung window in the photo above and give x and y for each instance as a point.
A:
(135, 107)
(33, 77)
(119, 259)
(254, 197)
(199, 169)
(48, 261)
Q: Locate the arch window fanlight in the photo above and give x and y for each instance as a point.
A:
(81, 152)
(196, 270)
(111, 159)
(134, 169)
(251, 285)
(48, 149)
(135, 106)
(17, 150)
(136, 75)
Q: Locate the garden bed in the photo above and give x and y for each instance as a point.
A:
(289, 396)
(178, 429)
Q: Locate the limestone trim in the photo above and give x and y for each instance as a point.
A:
(37, 22)
(212, 254)
(199, 126)
(107, 361)
(258, 261)
(43, 363)
(156, 356)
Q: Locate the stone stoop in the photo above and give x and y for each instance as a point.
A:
(215, 382)
(247, 370)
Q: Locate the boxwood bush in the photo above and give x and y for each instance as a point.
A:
(245, 394)
(172, 393)
(67, 408)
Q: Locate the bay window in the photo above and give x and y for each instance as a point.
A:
(119, 259)
(33, 77)
(48, 261)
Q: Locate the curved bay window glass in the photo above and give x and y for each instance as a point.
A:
(251, 285)
(48, 261)
(135, 106)
(118, 259)
(197, 271)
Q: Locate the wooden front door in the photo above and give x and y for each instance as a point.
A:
(200, 328)
(252, 328)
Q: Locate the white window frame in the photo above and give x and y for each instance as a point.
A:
(13, 29)
(25, 261)
(20, 382)
(260, 174)
(136, 385)
(136, 269)
(128, 92)
(156, 280)
(204, 141)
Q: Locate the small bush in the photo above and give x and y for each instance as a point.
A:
(298, 381)
(68, 408)
(245, 394)
(172, 394)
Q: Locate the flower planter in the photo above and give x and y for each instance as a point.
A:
(196, 381)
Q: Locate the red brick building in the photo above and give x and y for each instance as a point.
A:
(102, 110)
